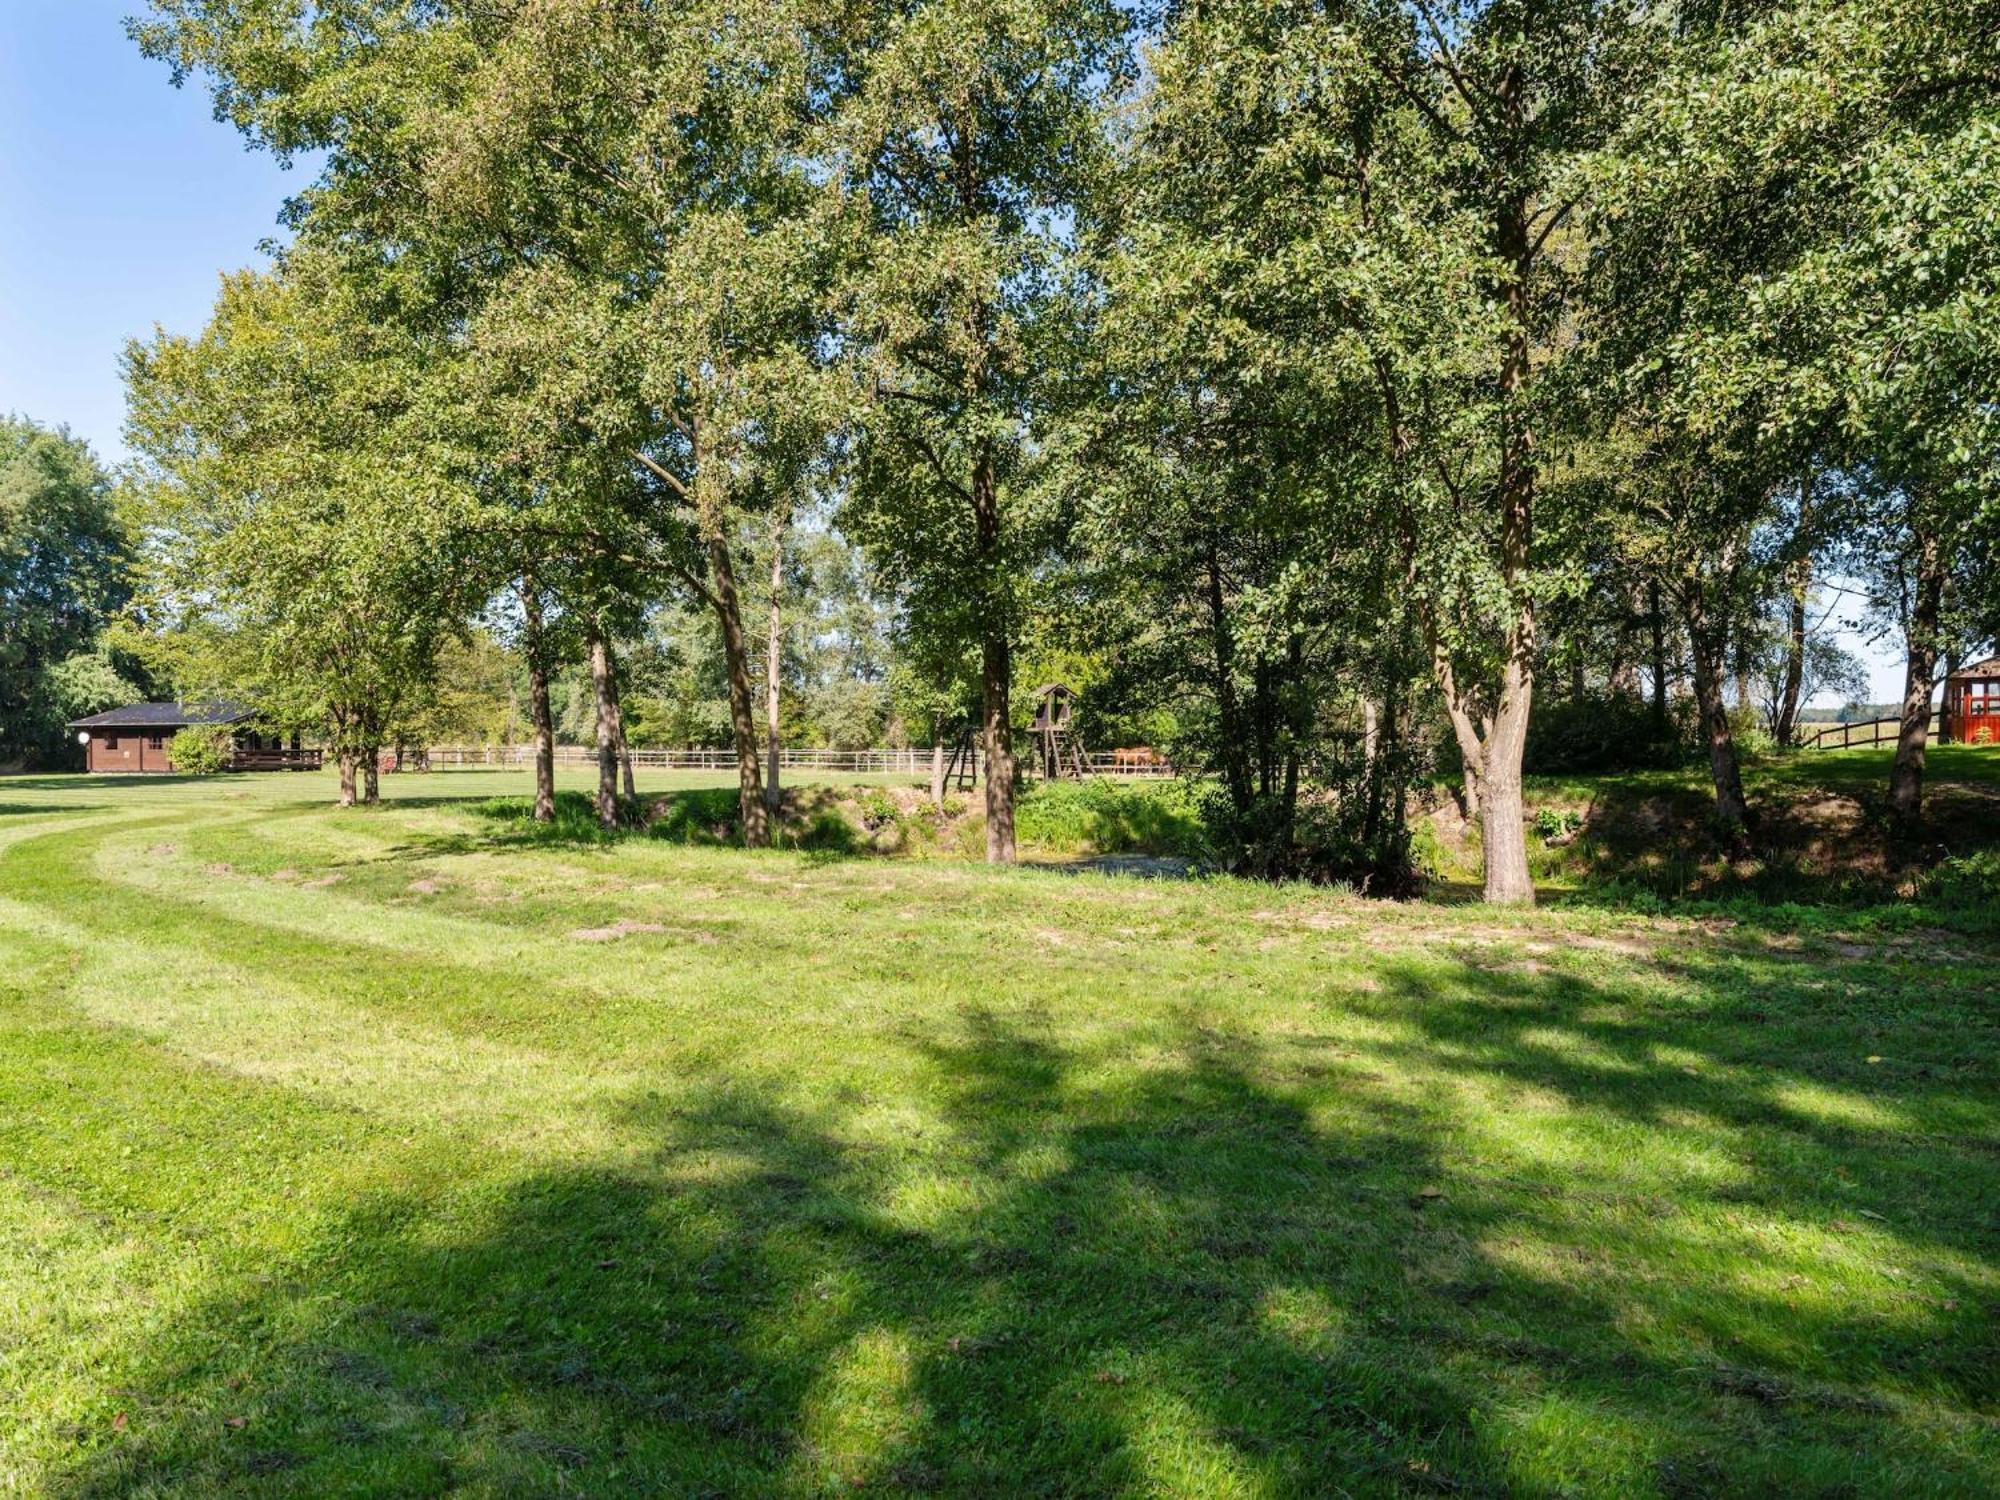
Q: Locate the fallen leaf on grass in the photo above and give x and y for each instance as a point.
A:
(236, 1424)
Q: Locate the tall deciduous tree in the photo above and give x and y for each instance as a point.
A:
(289, 489)
(971, 130)
(64, 573)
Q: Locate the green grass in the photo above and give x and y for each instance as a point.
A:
(386, 1152)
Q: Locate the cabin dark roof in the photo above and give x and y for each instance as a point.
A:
(166, 715)
(1981, 669)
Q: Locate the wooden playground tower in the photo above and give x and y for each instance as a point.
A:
(1056, 752)
(1056, 746)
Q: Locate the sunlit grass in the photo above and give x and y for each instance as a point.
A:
(372, 1152)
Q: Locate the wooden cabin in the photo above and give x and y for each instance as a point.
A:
(1972, 705)
(136, 738)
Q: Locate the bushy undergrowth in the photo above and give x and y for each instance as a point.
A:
(1606, 732)
(1104, 817)
(201, 749)
(575, 818)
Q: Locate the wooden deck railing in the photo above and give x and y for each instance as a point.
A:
(277, 760)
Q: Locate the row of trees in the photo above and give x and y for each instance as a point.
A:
(65, 557)
(1330, 370)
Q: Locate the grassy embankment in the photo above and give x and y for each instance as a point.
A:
(390, 1151)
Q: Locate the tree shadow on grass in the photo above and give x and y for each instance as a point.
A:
(46, 810)
(1241, 1268)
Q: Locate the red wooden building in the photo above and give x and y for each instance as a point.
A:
(136, 738)
(1972, 705)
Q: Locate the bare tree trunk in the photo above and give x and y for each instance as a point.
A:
(742, 713)
(1707, 642)
(349, 763)
(1658, 623)
(1502, 814)
(1906, 773)
(1235, 766)
(996, 671)
(728, 603)
(371, 777)
(1798, 582)
(540, 718)
(774, 654)
(937, 768)
(607, 732)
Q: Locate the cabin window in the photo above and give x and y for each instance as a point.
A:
(156, 742)
(111, 742)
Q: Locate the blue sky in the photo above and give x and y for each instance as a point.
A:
(122, 200)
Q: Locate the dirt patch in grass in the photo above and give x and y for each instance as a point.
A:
(614, 931)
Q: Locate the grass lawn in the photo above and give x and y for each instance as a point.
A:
(380, 1152)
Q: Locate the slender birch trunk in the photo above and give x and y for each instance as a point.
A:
(607, 733)
(1798, 585)
(540, 718)
(996, 671)
(774, 655)
(1707, 643)
(1906, 773)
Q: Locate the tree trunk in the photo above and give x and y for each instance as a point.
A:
(996, 670)
(1235, 766)
(1906, 773)
(371, 774)
(1659, 632)
(540, 718)
(996, 742)
(1502, 811)
(1798, 581)
(728, 604)
(937, 769)
(607, 732)
(1502, 815)
(1708, 645)
(349, 763)
(774, 653)
(742, 712)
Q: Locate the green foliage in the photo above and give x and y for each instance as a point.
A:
(201, 749)
(1555, 822)
(1109, 817)
(1607, 732)
(64, 573)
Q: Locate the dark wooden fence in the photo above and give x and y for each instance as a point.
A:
(277, 760)
(1855, 736)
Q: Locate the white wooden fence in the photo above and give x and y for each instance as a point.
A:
(908, 762)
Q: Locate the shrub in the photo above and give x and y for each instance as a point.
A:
(1103, 817)
(878, 808)
(575, 818)
(201, 749)
(1605, 732)
(1554, 822)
